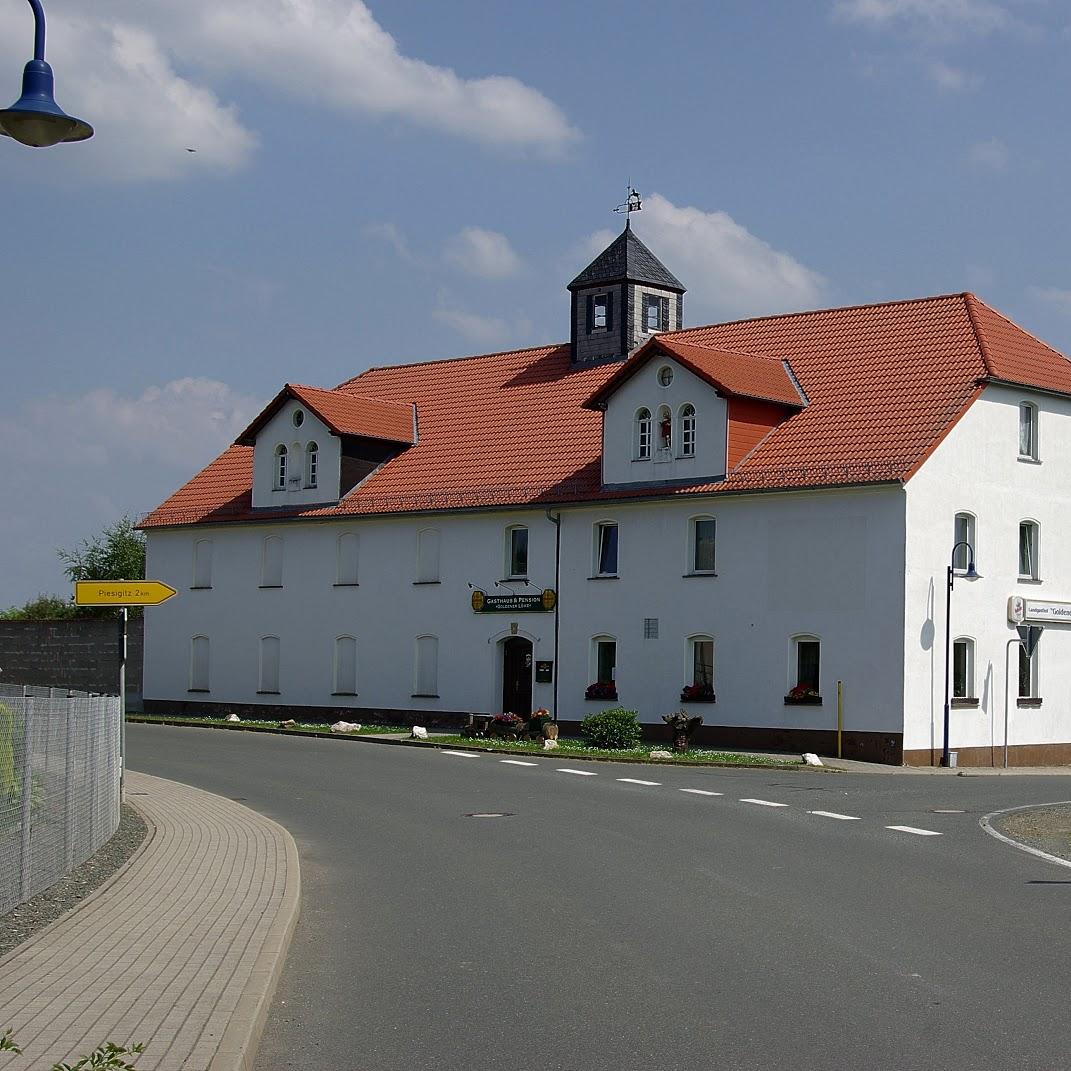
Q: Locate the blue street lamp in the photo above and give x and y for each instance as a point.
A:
(35, 118)
(970, 574)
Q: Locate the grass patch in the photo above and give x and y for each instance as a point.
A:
(259, 723)
(572, 746)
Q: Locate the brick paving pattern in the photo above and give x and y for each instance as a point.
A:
(180, 951)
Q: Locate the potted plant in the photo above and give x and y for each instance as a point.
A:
(803, 695)
(697, 693)
(683, 727)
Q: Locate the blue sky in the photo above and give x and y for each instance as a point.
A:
(387, 182)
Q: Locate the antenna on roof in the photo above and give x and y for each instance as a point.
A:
(632, 204)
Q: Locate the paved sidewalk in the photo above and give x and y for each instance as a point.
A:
(180, 950)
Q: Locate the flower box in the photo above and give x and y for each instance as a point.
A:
(601, 690)
(696, 693)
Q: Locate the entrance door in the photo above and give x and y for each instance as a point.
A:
(517, 676)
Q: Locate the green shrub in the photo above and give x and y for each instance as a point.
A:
(615, 729)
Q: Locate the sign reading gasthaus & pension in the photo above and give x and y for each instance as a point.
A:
(482, 603)
(1020, 609)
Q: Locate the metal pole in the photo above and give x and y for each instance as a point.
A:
(68, 796)
(27, 800)
(38, 29)
(1007, 691)
(123, 613)
(945, 754)
(840, 719)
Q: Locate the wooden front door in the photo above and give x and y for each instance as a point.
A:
(517, 676)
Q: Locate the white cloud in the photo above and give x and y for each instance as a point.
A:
(485, 332)
(952, 79)
(76, 464)
(944, 16)
(729, 271)
(485, 254)
(991, 154)
(392, 235)
(1053, 296)
(141, 71)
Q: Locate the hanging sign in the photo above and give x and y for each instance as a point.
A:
(482, 603)
(1021, 609)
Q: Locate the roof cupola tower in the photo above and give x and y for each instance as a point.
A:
(622, 298)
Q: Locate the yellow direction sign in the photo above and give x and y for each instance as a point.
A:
(121, 592)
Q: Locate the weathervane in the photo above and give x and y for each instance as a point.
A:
(633, 204)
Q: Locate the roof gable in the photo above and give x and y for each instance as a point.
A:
(344, 413)
(626, 258)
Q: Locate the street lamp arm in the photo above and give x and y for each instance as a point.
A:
(38, 29)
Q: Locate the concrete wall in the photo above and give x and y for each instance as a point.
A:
(977, 469)
(83, 654)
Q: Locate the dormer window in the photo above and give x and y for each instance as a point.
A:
(643, 435)
(298, 418)
(280, 468)
(687, 431)
(655, 312)
(312, 452)
(600, 316)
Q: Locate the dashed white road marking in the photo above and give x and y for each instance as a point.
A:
(700, 792)
(517, 762)
(833, 814)
(637, 781)
(765, 803)
(579, 773)
(463, 754)
(918, 832)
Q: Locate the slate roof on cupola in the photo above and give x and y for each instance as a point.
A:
(626, 258)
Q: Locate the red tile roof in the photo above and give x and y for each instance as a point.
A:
(884, 384)
(746, 375)
(344, 413)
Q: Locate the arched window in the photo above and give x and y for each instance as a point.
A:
(202, 563)
(665, 428)
(1028, 431)
(805, 670)
(269, 665)
(271, 562)
(426, 676)
(700, 683)
(603, 668)
(312, 457)
(1029, 549)
(346, 554)
(199, 664)
(427, 557)
(963, 536)
(345, 666)
(280, 468)
(687, 425)
(642, 444)
(963, 668)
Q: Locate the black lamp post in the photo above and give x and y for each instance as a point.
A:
(36, 119)
(970, 574)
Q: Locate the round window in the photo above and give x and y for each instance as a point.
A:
(299, 417)
(665, 375)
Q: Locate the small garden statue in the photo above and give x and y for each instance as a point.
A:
(683, 727)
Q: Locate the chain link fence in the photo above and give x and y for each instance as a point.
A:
(59, 785)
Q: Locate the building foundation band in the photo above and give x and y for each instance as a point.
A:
(763, 522)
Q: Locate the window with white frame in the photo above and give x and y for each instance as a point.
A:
(1028, 431)
(642, 435)
(346, 559)
(269, 665)
(271, 562)
(1028, 674)
(604, 660)
(427, 563)
(202, 563)
(199, 664)
(517, 553)
(600, 313)
(312, 464)
(654, 312)
(280, 467)
(606, 548)
(701, 544)
(963, 668)
(701, 662)
(426, 677)
(687, 426)
(1029, 546)
(807, 666)
(963, 536)
(345, 665)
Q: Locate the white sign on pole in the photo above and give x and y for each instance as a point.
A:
(1021, 609)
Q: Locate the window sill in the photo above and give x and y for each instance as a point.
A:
(423, 695)
(803, 701)
(265, 586)
(605, 576)
(698, 699)
(200, 587)
(344, 693)
(265, 691)
(966, 701)
(1028, 579)
(424, 583)
(514, 580)
(347, 584)
(688, 576)
(1025, 701)
(1027, 460)
(198, 691)
(601, 699)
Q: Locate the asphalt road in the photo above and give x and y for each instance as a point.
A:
(610, 926)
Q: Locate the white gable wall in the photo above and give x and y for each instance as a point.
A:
(280, 430)
(643, 389)
(976, 469)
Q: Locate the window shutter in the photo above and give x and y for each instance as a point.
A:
(609, 310)
(591, 312)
